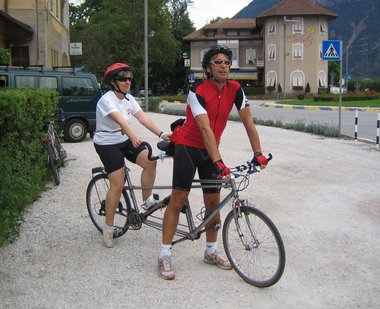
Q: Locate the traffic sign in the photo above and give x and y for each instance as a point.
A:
(185, 55)
(331, 50)
(349, 77)
(191, 78)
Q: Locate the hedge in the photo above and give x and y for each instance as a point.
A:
(23, 170)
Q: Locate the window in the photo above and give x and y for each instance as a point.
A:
(245, 32)
(250, 56)
(234, 46)
(322, 79)
(201, 54)
(297, 80)
(272, 27)
(297, 51)
(73, 86)
(298, 26)
(322, 28)
(271, 80)
(232, 33)
(210, 33)
(45, 82)
(272, 52)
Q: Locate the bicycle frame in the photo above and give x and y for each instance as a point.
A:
(194, 231)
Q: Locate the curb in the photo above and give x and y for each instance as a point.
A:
(321, 108)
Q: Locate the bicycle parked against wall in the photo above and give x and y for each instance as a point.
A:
(56, 153)
(251, 241)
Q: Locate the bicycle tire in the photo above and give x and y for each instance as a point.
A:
(53, 163)
(254, 246)
(61, 153)
(95, 200)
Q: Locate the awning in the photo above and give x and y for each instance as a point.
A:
(15, 31)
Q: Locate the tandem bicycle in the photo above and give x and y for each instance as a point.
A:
(252, 243)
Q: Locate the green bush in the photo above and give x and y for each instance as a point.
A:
(23, 170)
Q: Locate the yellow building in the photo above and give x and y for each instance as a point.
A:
(36, 32)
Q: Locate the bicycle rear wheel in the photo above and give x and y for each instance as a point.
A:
(254, 246)
(96, 202)
(53, 163)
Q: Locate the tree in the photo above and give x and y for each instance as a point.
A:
(110, 33)
(4, 56)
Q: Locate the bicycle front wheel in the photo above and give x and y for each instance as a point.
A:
(53, 163)
(96, 205)
(254, 246)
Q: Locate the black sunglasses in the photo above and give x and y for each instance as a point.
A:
(123, 79)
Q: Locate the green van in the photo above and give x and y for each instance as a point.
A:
(78, 91)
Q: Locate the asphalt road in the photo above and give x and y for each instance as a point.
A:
(268, 110)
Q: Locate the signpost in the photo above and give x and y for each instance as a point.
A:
(75, 49)
(332, 51)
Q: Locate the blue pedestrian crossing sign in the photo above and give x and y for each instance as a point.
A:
(332, 50)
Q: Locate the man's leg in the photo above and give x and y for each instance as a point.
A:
(212, 255)
(171, 218)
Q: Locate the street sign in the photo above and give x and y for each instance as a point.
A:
(331, 50)
(191, 78)
(75, 49)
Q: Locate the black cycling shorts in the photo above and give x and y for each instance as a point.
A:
(112, 156)
(187, 160)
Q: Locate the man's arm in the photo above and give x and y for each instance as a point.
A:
(208, 136)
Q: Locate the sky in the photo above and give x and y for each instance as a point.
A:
(203, 11)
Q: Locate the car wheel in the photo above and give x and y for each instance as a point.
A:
(75, 131)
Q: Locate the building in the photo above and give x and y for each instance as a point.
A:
(36, 32)
(245, 41)
(283, 45)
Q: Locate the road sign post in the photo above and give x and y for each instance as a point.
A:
(332, 51)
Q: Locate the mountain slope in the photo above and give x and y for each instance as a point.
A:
(357, 25)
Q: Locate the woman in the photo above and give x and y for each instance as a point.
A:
(115, 140)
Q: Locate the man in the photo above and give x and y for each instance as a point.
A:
(196, 148)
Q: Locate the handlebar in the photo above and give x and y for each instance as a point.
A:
(250, 167)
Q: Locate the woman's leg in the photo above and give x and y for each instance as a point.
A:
(116, 179)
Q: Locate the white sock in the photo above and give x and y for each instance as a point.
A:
(107, 228)
(165, 250)
(210, 247)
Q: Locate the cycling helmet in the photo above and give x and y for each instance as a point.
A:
(217, 49)
(113, 70)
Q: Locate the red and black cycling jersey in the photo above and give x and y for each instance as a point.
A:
(205, 98)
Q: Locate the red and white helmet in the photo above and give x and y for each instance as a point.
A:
(115, 69)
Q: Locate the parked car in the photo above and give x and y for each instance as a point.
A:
(142, 92)
(78, 92)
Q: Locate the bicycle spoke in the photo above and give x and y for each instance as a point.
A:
(254, 247)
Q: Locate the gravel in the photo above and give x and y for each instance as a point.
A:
(322, 193)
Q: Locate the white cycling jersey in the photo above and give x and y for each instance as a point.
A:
(108, 132)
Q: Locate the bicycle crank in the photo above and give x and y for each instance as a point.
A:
(134, 220)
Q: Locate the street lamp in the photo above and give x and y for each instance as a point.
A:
(290, 22)
(146, 54)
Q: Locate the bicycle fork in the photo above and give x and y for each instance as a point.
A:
(249, 246)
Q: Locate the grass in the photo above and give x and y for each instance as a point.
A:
(311, 102)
